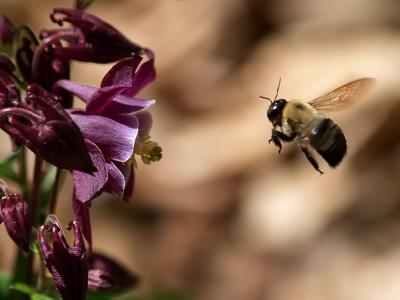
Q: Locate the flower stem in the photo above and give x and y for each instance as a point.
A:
(20, 274)
(23, 172)
(53, 201)
(34, 209)
(35, 193)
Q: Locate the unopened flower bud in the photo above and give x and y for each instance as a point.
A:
(14, 213)
(67, 264)
(90, 38)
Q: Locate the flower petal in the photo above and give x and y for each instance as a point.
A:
(121, 277)
(93, 182)
(115, 140)
(102, 42)
(127, 171)
(102, 98)
(145, 75)
(145, 123)
(116, 181)
(81, 211)
(123, 105)
(122, 72)
(84, 92)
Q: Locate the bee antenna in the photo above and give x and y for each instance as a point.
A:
(266, 98)
(277, 90)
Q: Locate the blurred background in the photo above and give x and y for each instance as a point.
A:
(222, 215)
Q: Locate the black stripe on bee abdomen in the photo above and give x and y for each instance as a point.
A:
(328, 139)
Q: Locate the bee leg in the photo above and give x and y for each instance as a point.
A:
(277, 136)
(311, 159)
(276, 142)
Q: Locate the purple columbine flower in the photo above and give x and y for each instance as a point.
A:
(111, 124)
(43, 126)
(67, 264)
(14, 213)
(107, 275)
(89, 39)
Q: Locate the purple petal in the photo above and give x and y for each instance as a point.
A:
(128, 120)
(122, 72)
(115, 140)
(145, 123)
(116, 181)
(130, 183)
(123, 105)
(121, 277)
(127, 171)
(102, 98)
(100, 280)
(87, 186)
(144, 76)
(81, 211)
(84, 92)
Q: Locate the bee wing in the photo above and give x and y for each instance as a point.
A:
(343, 96)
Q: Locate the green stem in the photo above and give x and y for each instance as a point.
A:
(34, 209)
(20, 274)
(23, 172)
(35, 193)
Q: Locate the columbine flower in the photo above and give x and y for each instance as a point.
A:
(89, 39)
(43, 126)
(14, 214)
(67, 264)
(107, 275)
(111, 124)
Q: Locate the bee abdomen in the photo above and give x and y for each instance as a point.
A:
(328, 139)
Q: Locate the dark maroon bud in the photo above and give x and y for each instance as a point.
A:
(14, 213)
(90, 39)
(67, 264)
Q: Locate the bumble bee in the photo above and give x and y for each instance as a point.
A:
(304, 122)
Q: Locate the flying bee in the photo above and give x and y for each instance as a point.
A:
(305, 123)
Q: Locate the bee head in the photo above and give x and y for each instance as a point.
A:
(275, 110)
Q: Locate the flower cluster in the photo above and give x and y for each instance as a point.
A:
(96, 144)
